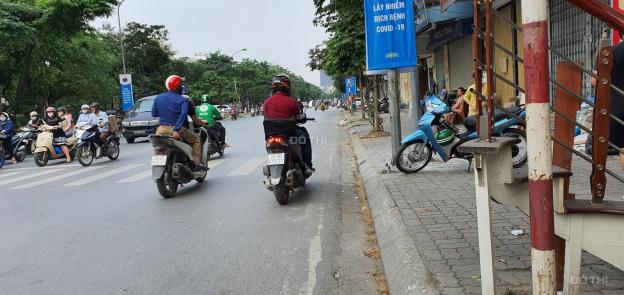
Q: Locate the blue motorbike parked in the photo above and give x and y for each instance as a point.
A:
(437, 135)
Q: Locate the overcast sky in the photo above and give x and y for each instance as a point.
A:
(278, 31)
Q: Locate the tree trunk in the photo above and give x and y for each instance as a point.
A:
(364, 94)
(22, 87)
(375, 104)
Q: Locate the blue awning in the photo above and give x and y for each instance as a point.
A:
(457, 11)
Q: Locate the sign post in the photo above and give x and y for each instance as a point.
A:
(127, 96)
(390, 47)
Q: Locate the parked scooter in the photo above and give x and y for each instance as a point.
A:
(90, 146)
(49, 148)
(436, 135)
(284, 169)
(172, 162)
(384, 105)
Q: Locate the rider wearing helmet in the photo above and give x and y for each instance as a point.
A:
(7, 129)
(172, 109)
(101, 119)
(209, 113)
(281, 106)
(86, 116)
(35, 121)
(53, 120)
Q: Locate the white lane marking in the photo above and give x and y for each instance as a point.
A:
(248, 167)
(29, 176)
(9, 174)
(103, 175)
(57, 166)
(215, 163)
(57, 177)
(314, 257)
(136, 177)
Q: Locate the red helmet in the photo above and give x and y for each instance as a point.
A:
(174, 82)
(50, 110)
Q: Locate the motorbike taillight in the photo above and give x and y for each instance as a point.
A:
(160, 151)
(276, 141)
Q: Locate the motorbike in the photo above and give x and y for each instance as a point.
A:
(49, 148)
(172, 162)
(22, 143)
(383, 105)
(91, 147)
(3, 153)
(30, 135)
(437, 135)
(284, 170)
(253, 112)
(213, 143)
(234, 114)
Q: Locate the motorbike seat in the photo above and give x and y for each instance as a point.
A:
(287, 128)
(471, 122)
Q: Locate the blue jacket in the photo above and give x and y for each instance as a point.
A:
(171, 108)
(7, 127)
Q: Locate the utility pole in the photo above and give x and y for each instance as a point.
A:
(121, 38)
(235, 82)
(539, 146)
(414, 103)
(395, 111)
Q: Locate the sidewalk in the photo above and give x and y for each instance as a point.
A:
(436, 207)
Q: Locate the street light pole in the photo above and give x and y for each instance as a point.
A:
(235, 84)
(121, 38)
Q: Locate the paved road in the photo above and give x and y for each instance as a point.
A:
(65, 229)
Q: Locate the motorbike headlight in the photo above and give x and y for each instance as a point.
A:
(125, 124)
(154, 122)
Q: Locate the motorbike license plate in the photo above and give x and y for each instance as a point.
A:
(159, 160)
(276, 159)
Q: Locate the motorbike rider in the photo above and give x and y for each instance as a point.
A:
(68, 121)
(53, 120)
(86, 116)
(101, 119)
(281, 106)
(209, 113)
(35, 121)
(172, 109)
(7, 128)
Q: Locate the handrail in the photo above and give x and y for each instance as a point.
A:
(602, 11)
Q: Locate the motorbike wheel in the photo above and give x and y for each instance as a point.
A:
(1, 157)
(408, 160)
(85, 155)
(167, 187)
(113, 150)
(20, 156)
(130, 139)
(282, 193)
(41, 159)
(519, 154)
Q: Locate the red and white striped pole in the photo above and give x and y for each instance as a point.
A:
(536, 77)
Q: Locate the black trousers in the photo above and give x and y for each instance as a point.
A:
(303, 139)
(220, 131)
(7, 144)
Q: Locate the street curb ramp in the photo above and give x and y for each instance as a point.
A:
(403, 266)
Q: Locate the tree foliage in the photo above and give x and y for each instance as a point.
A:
(343, 53)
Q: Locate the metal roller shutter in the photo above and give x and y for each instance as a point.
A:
(461, 66)
(439, 65)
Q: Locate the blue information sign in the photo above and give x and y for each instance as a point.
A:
(390, 36)
(127, 97)
(351, 85)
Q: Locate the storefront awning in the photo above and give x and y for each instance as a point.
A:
(459, 10)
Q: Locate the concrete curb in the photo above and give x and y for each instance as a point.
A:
(405, 270)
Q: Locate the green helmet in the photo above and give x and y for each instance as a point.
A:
(445, 137)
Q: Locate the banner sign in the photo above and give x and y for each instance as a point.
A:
(127, 97)
(390, 35)
(619, 6)
(445, 4)
(351, 86)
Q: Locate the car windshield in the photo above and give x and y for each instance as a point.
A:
(143, 106)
